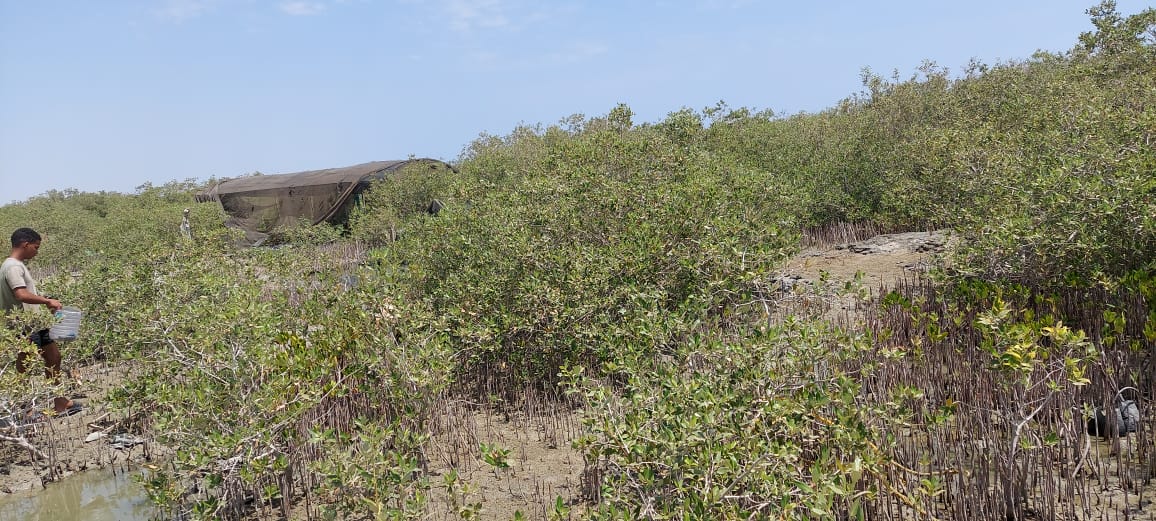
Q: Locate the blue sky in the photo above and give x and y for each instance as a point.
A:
(108, 95)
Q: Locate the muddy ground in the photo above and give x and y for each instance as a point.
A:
(97, 437)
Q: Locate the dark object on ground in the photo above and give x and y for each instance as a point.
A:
(75, 408)
(125, 441)
(1127, 420)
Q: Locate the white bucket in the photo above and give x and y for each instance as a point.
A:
(67, 325)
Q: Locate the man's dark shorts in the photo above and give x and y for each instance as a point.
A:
(41, 338)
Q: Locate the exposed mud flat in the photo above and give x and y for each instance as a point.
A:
(95, 438)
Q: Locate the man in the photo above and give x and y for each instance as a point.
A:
(17, 290)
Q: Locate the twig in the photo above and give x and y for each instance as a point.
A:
(92, 424)
(21, 441)
(1084, 456)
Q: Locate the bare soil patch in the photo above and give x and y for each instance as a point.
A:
(832, 281)
(543, 466)
(876, 263)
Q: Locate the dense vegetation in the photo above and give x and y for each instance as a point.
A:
(629, 271)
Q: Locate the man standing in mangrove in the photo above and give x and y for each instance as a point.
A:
(18, 290)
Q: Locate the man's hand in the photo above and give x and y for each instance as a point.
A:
(28, 297)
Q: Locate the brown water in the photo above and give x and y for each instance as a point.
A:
(98, 495)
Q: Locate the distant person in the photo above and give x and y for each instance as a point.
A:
(17, 290)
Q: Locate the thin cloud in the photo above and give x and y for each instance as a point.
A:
(302, 8)
(467, 15)
(182, 10)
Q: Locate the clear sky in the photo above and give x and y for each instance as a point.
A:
(110, 94)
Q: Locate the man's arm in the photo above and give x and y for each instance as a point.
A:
(28, 297)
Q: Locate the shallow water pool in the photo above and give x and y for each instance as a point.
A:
(97, 495)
